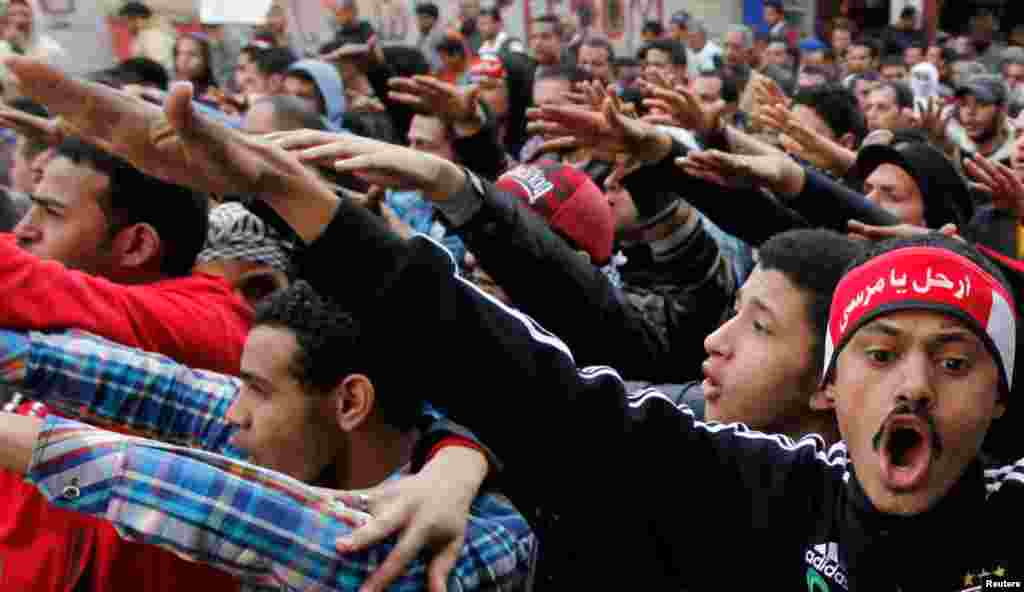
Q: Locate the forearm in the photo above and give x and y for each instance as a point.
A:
(743, 143)
(86, 376)
(18, 437)
(747, 214)
(826, 203)
(530, 263)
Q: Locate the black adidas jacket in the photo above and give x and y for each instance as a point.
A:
(610, 481)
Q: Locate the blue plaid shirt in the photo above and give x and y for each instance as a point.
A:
(192, 497)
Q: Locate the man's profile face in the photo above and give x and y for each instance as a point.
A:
(906, 462)
(896, 192)
(759, 369)
(66, 222)
(282, 425)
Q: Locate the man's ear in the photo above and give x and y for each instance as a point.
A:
(824, 398)
(355, 398)
(138, 246)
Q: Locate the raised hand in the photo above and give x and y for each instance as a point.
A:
(859, 230)
(430, 96)
(777, 172)
(1000, 181)
(430, 508)
(180, 145)
(684, 107)
(933, 120)
(610, 129)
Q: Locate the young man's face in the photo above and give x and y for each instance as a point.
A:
(894, 72)
(907, 462)
(19, 23)
(425, 23)
(659, 61)
(895, 191)
(551, 92)
(488, 27)
(858, 59)
(934, 57)
(597, 62)
(66, 222)
(776, 54)
(841, 40)
(979, 119)
(863, 89)
(546, 44)
(736, 51)
(189, 59)
(772, 15)
(760, 369)
(883, 112)
(913, 56)
(281, 425)
(429, 134)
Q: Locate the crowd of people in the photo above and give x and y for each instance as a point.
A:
(487, 313)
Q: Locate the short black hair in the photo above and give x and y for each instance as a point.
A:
(134, 10)
(892, 59)
(32, 144)
(814, 261)
(332, 346)
(180, 216)
(670, 46)
(874, 45)
(653, 27)
(428, 9)
(142, 70)
(837, 106)
(904, 95)
(492, 12)
(276, 60)
(405, 60)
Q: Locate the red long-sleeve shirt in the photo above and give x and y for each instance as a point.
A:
(197, 320)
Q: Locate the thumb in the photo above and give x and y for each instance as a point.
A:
(949, 229)
(179, 110)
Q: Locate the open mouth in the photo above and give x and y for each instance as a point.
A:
(906, 449)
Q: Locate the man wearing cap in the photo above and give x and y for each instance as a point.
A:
(982, 125)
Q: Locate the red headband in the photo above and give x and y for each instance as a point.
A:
(929, 278)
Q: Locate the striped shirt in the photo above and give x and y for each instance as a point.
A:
(198, 497)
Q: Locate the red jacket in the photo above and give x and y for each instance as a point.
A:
(196, 320)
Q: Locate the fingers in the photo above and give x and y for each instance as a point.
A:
(655, 119)
(408, 547)
(559, 145)
(441, 566)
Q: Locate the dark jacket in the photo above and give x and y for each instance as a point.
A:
(610, 481)
(652, 329)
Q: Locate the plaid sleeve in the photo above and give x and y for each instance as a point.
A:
(264, 527)
(87, 376)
